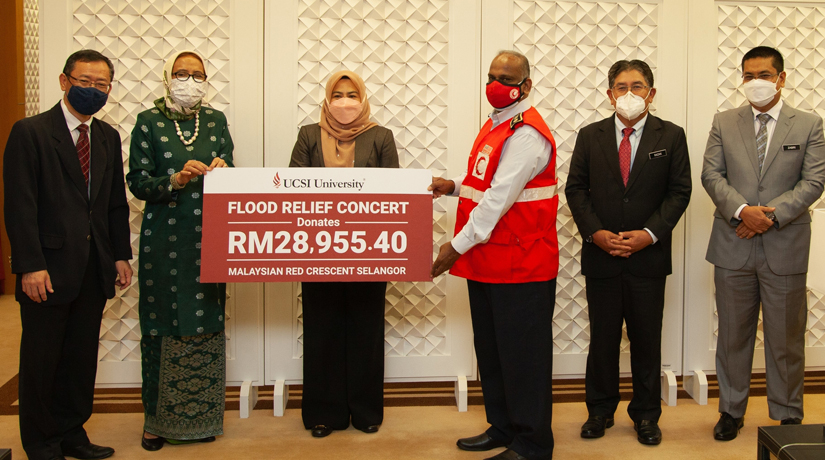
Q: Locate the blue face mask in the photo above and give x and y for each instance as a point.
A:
(87, 101)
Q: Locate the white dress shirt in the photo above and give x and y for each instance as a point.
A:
(635, 137)
(770, 126)
(524, 156)
(72, 122)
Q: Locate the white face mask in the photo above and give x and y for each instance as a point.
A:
(630, 105)
(760, 92)
(187, 93)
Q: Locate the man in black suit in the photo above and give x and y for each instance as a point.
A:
(628, 186)
(68, 224)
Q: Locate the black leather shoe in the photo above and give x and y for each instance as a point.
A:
(88, 451)
(791, 421)
(507, 455)
(151, 444)
(727, 427)
(595, 425)
(479, 443)
(648, 432)
(370, 429)
(321, 431)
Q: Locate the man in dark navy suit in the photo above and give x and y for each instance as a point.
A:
(629, 185)
(68, 224)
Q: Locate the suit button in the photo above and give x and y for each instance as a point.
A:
(88, 237)
(761, 188)
(626, 200)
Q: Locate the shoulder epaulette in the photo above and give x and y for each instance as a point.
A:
(517, 120)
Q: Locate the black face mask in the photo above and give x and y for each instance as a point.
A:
(87, 101)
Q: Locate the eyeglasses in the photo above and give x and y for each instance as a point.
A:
(183, 75)
(621, 90)
(84, 83)
(762, 76)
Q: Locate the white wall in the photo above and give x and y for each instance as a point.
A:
(425, 64)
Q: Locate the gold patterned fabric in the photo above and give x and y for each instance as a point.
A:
(184, 385)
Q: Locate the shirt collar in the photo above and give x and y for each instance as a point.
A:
(499, 116)
(637, 127)
(71, 121)
(773, 112)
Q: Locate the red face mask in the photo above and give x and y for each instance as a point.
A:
(500, 95)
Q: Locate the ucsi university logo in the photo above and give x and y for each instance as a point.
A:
(306, 183)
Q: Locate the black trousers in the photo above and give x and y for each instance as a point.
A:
(58, 364)
(513, 336)
(343, 354)
(640, 302)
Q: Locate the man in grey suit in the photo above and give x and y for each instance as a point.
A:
(763, 168)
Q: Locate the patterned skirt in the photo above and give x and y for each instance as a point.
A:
(184, 385)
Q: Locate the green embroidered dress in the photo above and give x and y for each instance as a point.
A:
(181, 319)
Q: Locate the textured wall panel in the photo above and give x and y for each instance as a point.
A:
(31, 55)
(571, 46)
(400, 49)
(798, 32)
(138, 36)
(816, 319)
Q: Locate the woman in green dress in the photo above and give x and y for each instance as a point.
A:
(183, 345)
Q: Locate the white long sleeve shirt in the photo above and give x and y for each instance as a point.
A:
(524, 156)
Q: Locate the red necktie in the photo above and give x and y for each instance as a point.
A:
(83, 150)
(624, 154)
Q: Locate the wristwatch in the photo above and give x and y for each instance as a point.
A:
(770, 215)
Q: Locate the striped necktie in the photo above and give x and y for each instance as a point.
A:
(762, 139)
(83, 150)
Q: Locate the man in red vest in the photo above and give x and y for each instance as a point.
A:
(505, 244)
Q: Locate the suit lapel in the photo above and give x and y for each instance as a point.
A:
(98, 159)
(748, 136)
(650, 136)
(607, 140)
(363, 147)
(780, 132)
(66, 150)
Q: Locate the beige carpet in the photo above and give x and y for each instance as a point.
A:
(421, 432)
(430, 432)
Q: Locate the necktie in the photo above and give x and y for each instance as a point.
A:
(762, 138)
(83, 150)
(624, 154)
